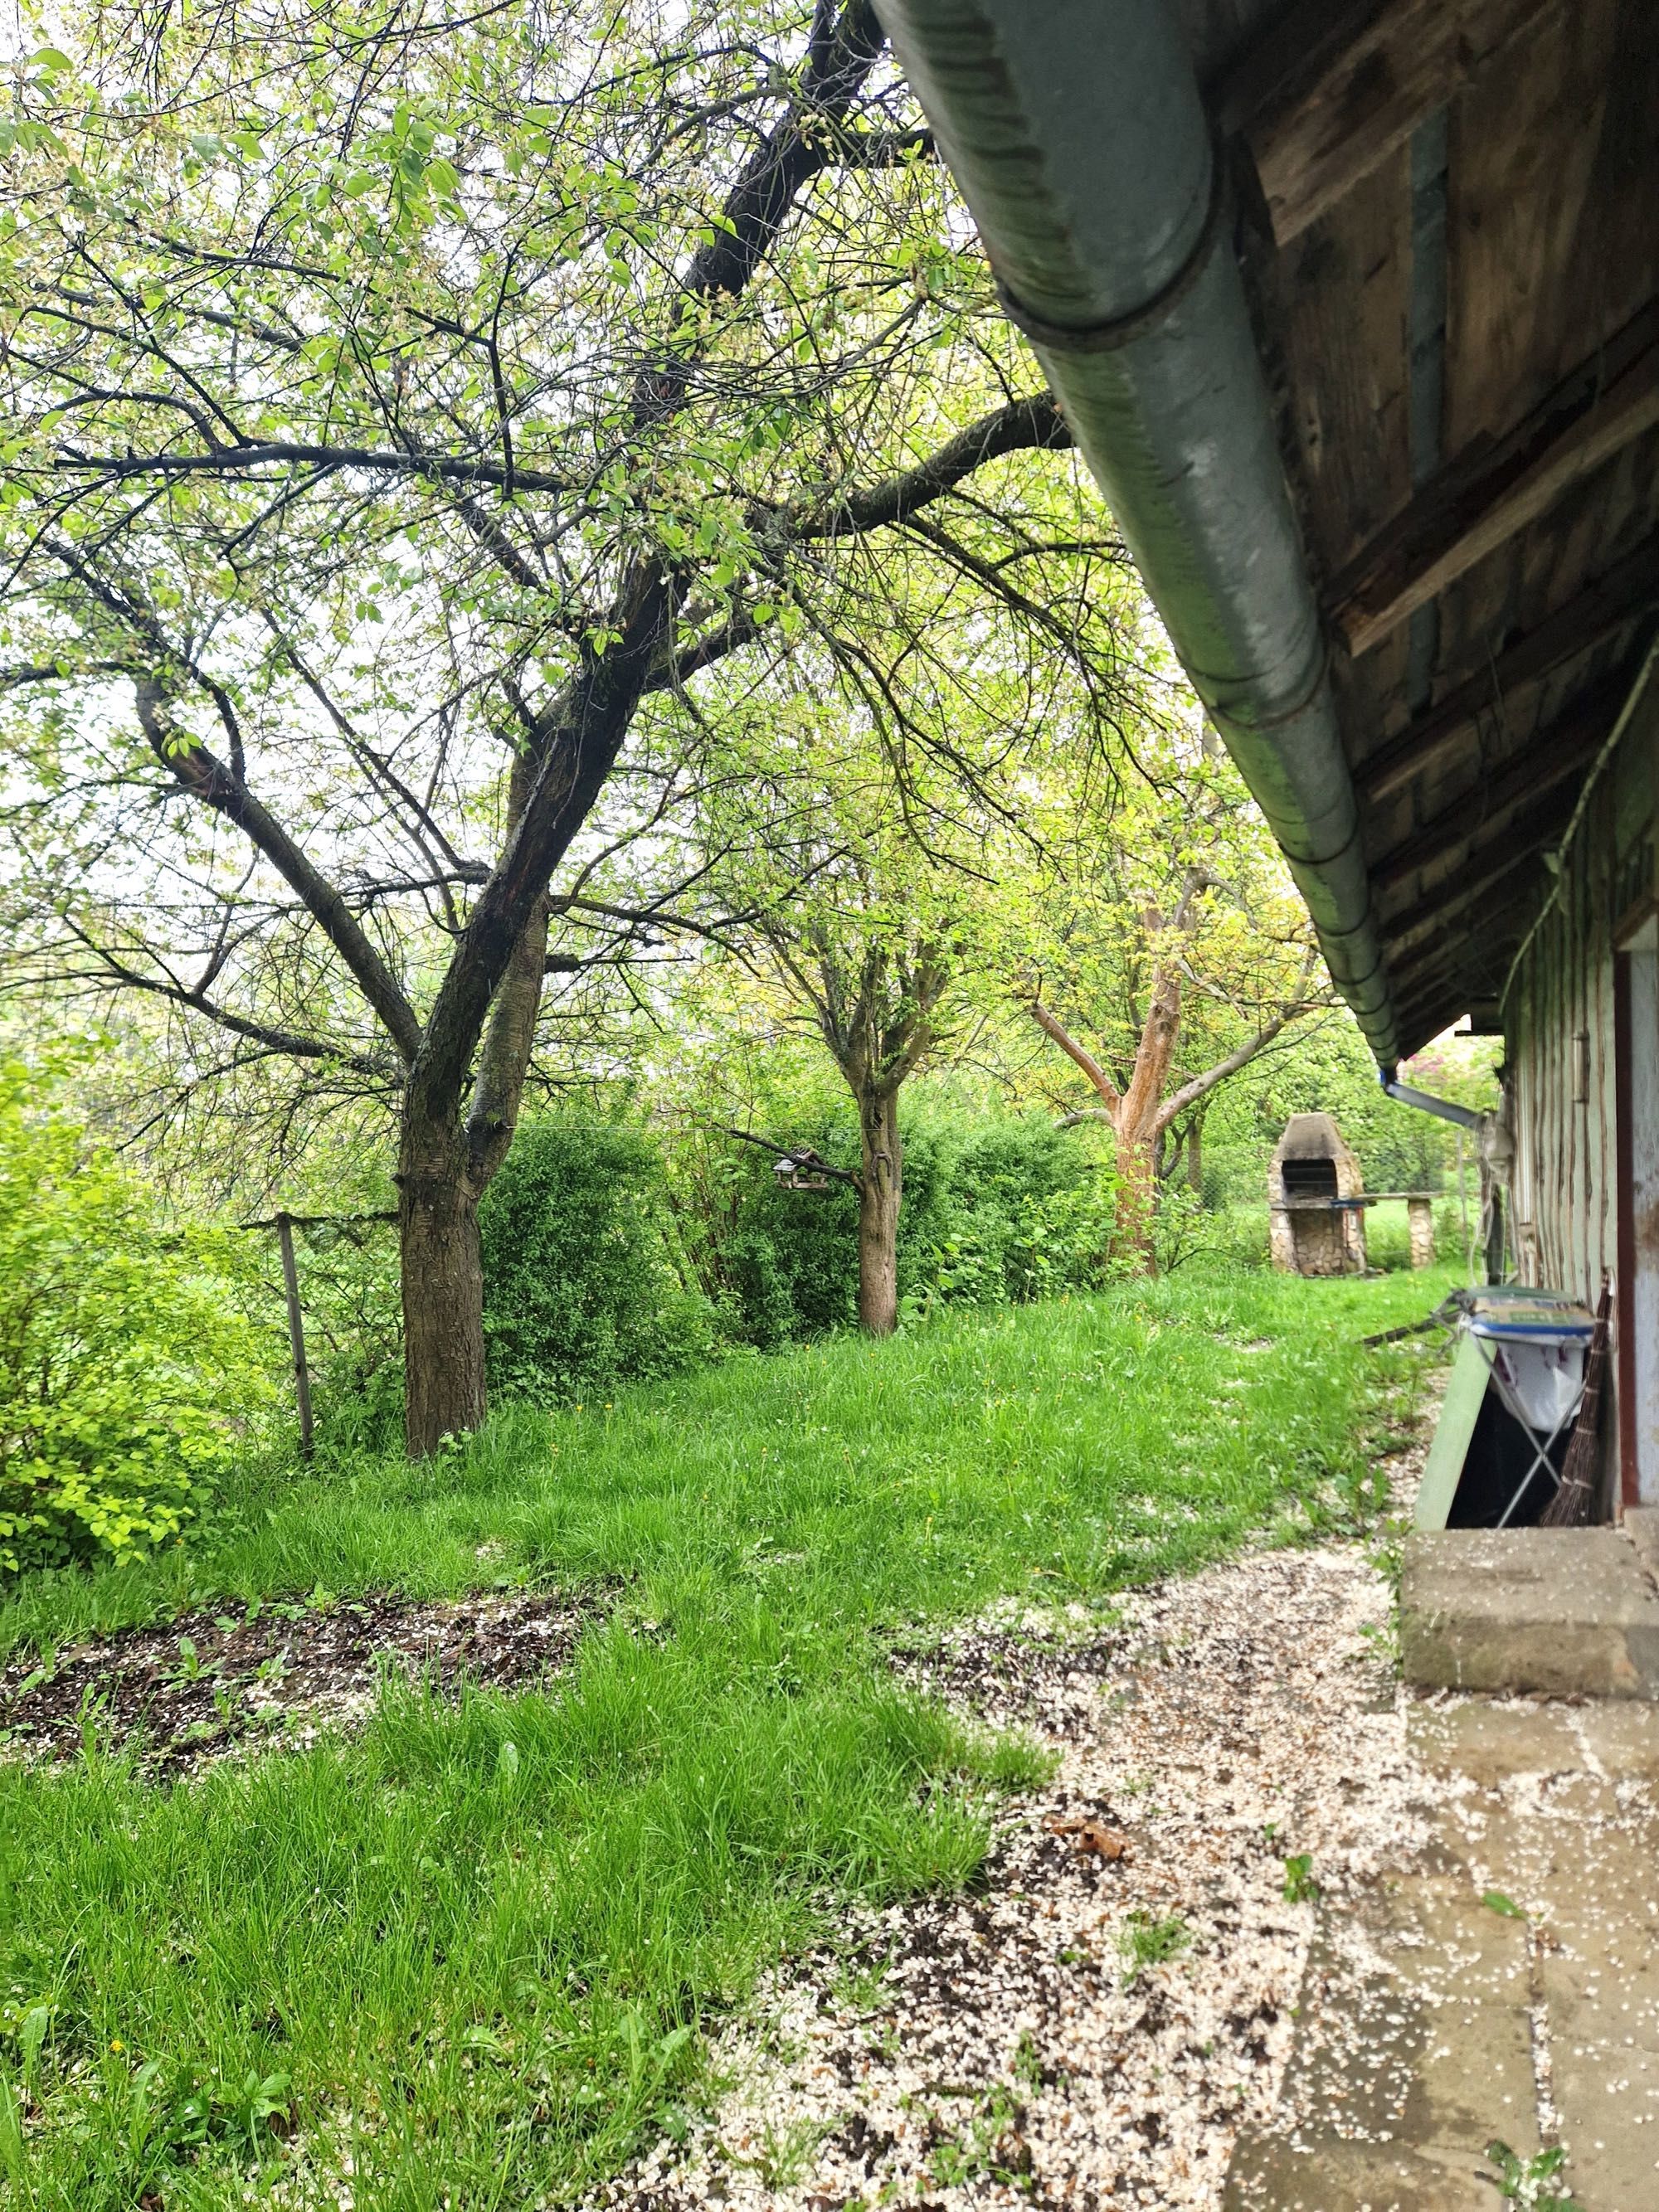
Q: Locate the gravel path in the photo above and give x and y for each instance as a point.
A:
(1091, 2025)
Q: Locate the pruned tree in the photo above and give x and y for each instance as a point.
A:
(854, 931)
(874, 884)
(1164, 951)
(874, 987)
(404, 428)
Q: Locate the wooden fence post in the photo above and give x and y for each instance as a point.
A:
(296, 1333)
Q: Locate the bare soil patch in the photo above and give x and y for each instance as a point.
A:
(1015, 1676)
(216, 1681)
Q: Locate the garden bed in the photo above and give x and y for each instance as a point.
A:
(211, 1682)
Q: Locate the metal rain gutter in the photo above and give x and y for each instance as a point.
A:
(1077, 135)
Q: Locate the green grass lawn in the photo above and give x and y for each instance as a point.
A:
(472, 1948)
(1388, 1233)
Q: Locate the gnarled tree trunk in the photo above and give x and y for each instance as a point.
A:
(442, 1289)
(1140, 1114)
(880, 1194)
(445, 1167)
(1137, 1119)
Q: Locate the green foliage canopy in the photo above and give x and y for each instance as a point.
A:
(366, 384)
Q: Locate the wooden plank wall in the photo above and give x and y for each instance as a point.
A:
(1564, 1198)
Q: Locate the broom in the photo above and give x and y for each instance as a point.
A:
(1570, 1508)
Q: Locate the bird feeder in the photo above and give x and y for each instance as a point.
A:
(800, 1171)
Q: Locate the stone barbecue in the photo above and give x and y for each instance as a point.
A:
(1311, 1232)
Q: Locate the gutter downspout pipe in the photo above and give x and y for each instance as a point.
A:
(1427, 1102)
(1077, 135)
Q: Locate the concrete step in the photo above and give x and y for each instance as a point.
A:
(1268, 2175)
(1580, 1744)
(1430, 2021)
(1562, 1612)
(1413, 2050)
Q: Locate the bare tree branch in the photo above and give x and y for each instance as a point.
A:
(1033, 424)
(242, 460)
(1078, 1053)
(1189, 1093)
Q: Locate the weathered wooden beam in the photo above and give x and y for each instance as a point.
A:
(1474, 967)
(1432, 1007)
(1462, 929)
(1481, 816)
(1628, 589)
(1446, 951)
(1416, 924)
(1421, 1023)
(1336, 85)
(1456, 999)
(1523, 829)
(1421, 920)
(1474, 957)
(1427, 997)
(1492, 489)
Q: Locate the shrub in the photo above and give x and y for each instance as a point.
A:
(782, 1265)
(1027, 1213)
(1234, 1236)
(581, 1287)
(786, 1261)
(122, 1365)
(998, 1207)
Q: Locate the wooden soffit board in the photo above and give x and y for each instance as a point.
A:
(1497, 488)
(1603, 607)
(1331, 90)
